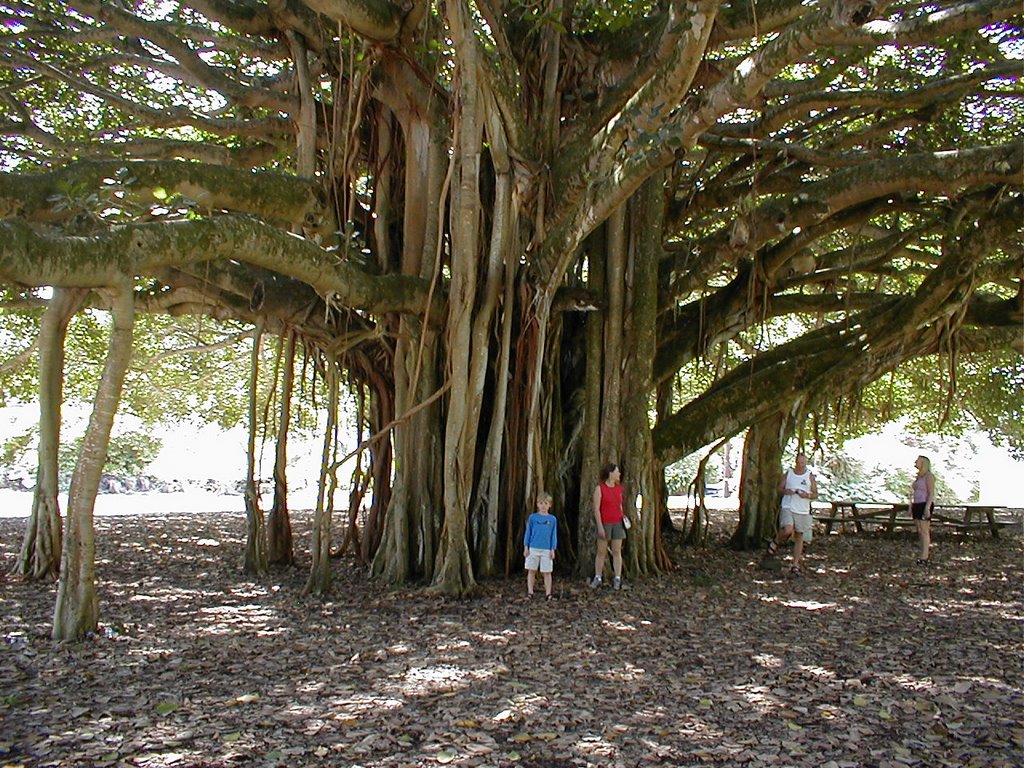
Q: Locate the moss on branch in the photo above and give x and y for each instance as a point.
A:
(275, 196)
(29, 257)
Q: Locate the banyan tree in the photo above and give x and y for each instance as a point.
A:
(538, 235)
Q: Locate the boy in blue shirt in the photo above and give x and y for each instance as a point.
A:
(539, 544)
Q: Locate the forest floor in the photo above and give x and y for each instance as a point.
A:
(867, 660)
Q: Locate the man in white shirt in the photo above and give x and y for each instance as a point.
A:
(797, 487)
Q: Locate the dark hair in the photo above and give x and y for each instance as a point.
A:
(606, 470)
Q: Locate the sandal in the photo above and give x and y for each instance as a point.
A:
(773, 547)
(924, 561)
(794, 570)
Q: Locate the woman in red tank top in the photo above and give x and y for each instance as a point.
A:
(609, 517)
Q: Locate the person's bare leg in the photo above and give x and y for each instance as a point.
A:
(924, 534)
(530, 576)
(617, 558)
(779, 540)
(798, 548)
(547, 584)
(602, 551)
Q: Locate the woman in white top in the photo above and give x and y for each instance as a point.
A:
(797, 487)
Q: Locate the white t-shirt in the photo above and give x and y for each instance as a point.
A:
(794, 482)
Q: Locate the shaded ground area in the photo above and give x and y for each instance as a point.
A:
(867, 660)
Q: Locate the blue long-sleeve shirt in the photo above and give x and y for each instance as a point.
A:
(541, 531)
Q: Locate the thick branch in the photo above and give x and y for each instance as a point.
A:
(276, 196)
(936, 172)
(30, 258)
(841, 356)
(377, 20)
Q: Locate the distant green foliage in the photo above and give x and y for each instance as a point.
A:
(993, 384)
(680, 475)
(16, 447)
(18, 460)
(842, 477)
(128, 455)
(984, 392)
(182, 368)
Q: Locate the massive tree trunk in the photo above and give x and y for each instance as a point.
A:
(549, 117)
(412, 524)
(453, 574)
(411, 531)
(77, 610)
(40, 550)
(500, 282)
(279, 524)
(644, 553)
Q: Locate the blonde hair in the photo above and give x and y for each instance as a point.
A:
(544, 496)
(926, 464)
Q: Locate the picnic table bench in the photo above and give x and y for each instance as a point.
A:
(890, 516)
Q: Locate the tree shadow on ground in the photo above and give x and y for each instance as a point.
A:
(867, 660)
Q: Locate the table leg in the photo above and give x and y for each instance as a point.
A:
(991, 515)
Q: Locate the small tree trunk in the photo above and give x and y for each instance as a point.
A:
(254, 560)
(40, 549)
(611, 412)
(319, 581)
(279, 524)
(380, 471)
(586, 535)
(663, 405)
(762, 465)
(77, 610)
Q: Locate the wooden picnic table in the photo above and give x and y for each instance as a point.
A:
(861, 513)
(961, 517)
(891, 516)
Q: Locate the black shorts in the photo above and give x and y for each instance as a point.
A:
(918, 512)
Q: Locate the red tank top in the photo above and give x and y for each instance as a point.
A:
(611, 503)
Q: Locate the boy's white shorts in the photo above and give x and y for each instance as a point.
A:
(540, 560)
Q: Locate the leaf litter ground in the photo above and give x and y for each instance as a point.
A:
(866, 660)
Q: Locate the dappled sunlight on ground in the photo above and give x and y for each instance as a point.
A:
(865, 660)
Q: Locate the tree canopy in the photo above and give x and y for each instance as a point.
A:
(540, 235)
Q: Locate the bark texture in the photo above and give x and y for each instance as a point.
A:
(77, 610)
(41, 548)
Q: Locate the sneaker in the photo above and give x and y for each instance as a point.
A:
(795, 570)
(616, 583)
(550, 597)
(596, 582)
